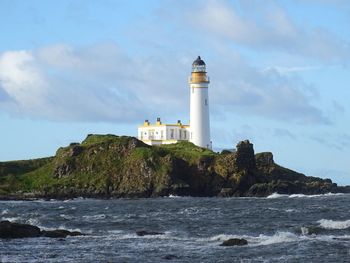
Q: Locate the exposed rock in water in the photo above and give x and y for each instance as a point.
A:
(170, 257)
(234, 242)
(60, 233)
(16, 230)
(142, 233)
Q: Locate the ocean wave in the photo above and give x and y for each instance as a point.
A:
(32, 221)
(332, 224)
(291, 210)
(319, 195)
(277, 195)
(174, 196)
(66, 217)
(11, 219)
(4, 212)
(95, 217)
(279, 237)
(261, 240)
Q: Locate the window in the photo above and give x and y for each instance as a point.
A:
(180, 134)
(171, 133)
(184, 135)
(206, 102)
(151, 135)
(161, 135)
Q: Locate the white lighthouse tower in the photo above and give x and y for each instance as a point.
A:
(199, 105)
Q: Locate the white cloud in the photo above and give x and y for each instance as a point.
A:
(267, 27)
(96, 83)
(241, 88)
(22, 81)
(103, 83)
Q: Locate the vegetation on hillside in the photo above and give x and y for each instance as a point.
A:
(121, 166)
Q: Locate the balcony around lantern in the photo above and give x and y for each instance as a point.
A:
(198, 79)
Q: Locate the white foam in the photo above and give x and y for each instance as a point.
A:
(279, 237)
(174, 196)
(331, 224)
(304, 231)
(69, 229)
(298, 195)
(276, 195)
(67, 217)
(11, 219)
(33, 221)
(311, 196)
(95, 217)
(4, 212)
(291, 210)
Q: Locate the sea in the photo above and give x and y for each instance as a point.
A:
(279, 228)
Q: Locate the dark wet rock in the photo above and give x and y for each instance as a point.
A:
(59, 233)
(16, 230)
(142, 233)
(234, 242)
(245, 158)
(170, 257)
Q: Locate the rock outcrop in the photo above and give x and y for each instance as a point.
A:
(234, 242)
(142, 233)
(16, 230)
(105, 166)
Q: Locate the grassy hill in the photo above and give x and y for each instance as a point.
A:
(121, 166)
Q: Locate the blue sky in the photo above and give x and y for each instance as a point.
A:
(279, 74)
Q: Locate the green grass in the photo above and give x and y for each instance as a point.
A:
(93, 139)
(187, 151)
(22, 167)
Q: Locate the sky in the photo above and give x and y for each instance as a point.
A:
(279, 74)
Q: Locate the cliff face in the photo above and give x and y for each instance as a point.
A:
(113, 166)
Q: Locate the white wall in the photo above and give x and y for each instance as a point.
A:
(199, 115)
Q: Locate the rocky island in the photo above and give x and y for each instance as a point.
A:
(109, 166)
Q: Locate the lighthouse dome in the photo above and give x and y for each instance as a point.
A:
(198, 62)
(198, 65)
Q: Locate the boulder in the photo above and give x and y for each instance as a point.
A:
(234, 242)
(170, 257)
(59, 233)
(142, 233)
(16, 230)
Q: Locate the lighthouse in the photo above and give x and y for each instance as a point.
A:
(198, 131)
(199, 105)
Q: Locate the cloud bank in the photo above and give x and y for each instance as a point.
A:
(103, 83)
(268, 27)
(96, 83)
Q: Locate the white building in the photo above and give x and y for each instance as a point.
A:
(159, 133)
(198, 132)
